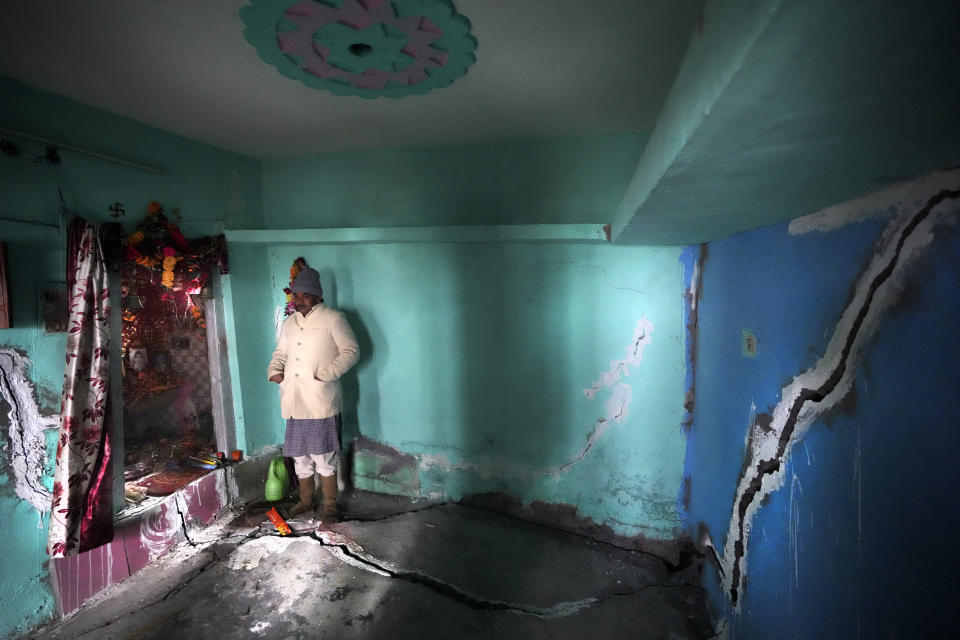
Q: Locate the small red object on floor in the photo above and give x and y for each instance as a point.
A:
(278, 521)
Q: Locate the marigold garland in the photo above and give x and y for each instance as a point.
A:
(298, 265)
(161, 269)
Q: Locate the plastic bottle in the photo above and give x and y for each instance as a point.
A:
(277, 480)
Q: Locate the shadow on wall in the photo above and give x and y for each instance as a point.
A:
(509, 358)
(352, 392)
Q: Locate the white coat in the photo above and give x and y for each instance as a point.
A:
(312, 352)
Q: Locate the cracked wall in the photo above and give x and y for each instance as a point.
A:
(211, 187)
(26, 441)
(817, 466)
(31, 371)
(549, 373)
(145, 534)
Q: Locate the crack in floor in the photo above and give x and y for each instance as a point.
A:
(347, 548)
(223, 547)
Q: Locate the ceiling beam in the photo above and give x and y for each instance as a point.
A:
(784, 107)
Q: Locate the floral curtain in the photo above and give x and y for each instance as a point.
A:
(82, 514)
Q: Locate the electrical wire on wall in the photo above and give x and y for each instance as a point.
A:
(52, 150)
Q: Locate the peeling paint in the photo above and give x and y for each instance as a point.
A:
(616, 409)
(26, 440)
(633, 359)
(884, 203)
(823, 386)
(260, 627)
(692, 321)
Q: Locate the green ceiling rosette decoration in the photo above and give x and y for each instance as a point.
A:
(366, 48)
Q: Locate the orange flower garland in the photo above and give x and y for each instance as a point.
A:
(166, 256)
(298, 265)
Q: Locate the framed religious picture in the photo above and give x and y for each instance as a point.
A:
(138, 359)
(54, 311)
(4, 289)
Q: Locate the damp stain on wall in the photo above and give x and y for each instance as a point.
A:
(810, 394)
(692, 262)
(25, 447)
(693, 270)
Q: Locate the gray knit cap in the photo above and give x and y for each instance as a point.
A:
(307, 281)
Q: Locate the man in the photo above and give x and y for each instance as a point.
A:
(316, 346)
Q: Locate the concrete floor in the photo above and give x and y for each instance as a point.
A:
(396, 568)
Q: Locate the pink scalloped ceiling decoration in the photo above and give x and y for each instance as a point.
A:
(368, 48)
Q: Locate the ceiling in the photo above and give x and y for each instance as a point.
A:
(544, 69)
(758, 111)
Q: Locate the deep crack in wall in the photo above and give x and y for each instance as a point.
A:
(26, 441)
(820, 388)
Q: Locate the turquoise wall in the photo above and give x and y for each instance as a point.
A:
(24, 579)
(476, 359)
(548, 371)
(576, 180)
(846, 541)
(212, 187)
(248, 298)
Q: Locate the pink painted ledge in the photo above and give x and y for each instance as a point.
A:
(141, 538)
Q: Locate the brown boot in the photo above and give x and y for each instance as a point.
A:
(330, 512)
(306, 498)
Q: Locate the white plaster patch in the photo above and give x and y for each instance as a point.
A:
(289, 585)
(260, 627)
(278, 317)
(618, 404)
(632, 360)
(909, 235)
(356, 552)
(884, 203)
(26, 446)
(248, 555)
(693, 293)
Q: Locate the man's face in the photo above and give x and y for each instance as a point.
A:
(303, 302)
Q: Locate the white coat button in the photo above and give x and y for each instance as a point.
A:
(297, 374)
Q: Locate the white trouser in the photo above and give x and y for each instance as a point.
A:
(325, 463)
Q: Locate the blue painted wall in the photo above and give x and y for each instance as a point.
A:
(213, 188)
(856, 543)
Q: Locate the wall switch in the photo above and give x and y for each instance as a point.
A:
(750, 344)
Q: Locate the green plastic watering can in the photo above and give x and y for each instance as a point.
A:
(277, 480)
